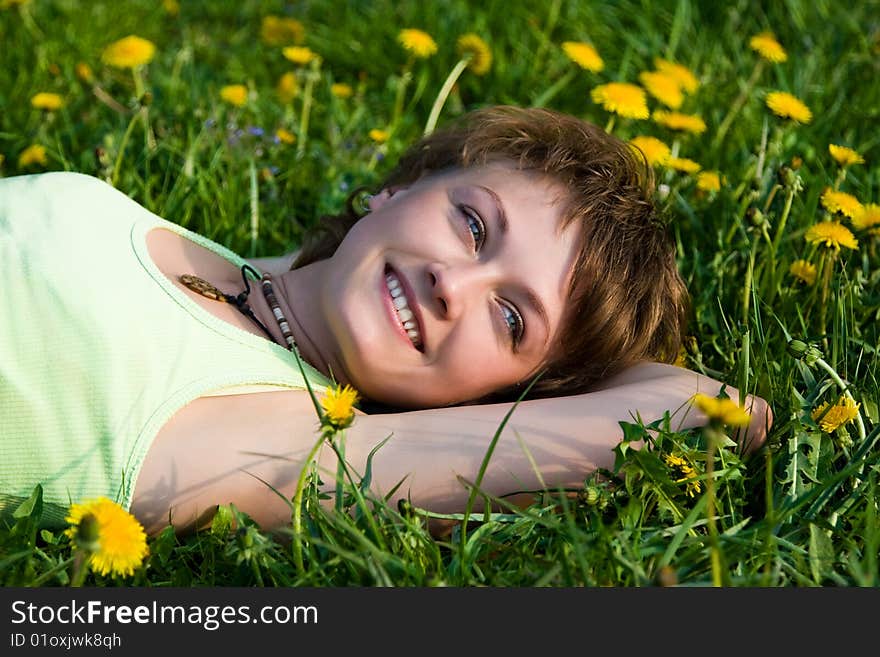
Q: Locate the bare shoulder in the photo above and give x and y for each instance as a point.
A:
(222, 449)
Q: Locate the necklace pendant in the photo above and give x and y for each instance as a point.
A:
(201, 286)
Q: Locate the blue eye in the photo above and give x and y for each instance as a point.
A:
(515, 323)
(475, 226)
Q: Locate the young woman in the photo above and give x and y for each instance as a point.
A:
(148, 364)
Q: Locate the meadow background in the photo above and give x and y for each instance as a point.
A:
(226, 132)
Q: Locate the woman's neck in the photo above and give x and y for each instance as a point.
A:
(297, 293)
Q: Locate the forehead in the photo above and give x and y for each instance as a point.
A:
(529, 192)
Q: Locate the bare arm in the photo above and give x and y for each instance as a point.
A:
(226, 449)
(552, 442)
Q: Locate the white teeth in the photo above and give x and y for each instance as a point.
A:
(403, 312)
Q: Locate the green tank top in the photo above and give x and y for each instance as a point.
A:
(98, 349)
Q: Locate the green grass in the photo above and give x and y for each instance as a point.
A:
(801, 512)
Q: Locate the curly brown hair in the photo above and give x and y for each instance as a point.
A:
(627, 301)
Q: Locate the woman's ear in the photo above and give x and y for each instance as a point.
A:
(376, 201)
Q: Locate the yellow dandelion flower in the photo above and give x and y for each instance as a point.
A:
(663, 87)
(787, 106)
(683, 164)
(471, 45)
(766, 45)
(683, 74)
(419, 43)
(830, 419)
(845, 156)
(804, 271)
(584, 55)
(678, 121)
(33, 154)
(47, 101)
(846, 204)
(709, 181)
(338, 405)
(681, 358)
(685, 474)
(172, 7)
(868, 218)
(627, 100)
(832, 235)
(341, 90)
(379, 136)
(121, 541)
(234, 94)
(656, 152)
(725, 411)
(84, 72)
(281, 31)
(287, 87)
(130, 52)
(285, 136)
(299, 54)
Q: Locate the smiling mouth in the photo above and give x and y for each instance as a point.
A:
(402, 307)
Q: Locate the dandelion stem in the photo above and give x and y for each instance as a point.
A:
(255, 207)
(738, 103)
(122, 146)
(845, 389)
(783, 218)
(297, 502)
(827, 270)
(405, 79)
(443, 94)
(311, 76)
(747, 285)
(610, 125)
(715, 552)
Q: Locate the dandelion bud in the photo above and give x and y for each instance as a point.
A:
(803, 351)
(789, 179)
(146, 100)
(245, 537)
(405, 508)
(754, 216)
(690, 343)
(590, 495)
(797, 348)
(666, 576)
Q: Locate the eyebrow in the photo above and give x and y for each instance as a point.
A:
(504, 227)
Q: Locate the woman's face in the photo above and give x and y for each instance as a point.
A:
(449, 289)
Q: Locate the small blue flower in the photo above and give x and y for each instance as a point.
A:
(256, 131)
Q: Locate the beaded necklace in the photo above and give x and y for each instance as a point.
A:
(208, 290)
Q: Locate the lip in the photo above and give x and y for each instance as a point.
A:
(413, 306)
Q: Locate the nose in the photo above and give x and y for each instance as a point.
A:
(454, 286)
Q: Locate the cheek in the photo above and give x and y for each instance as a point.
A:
(476, 369)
